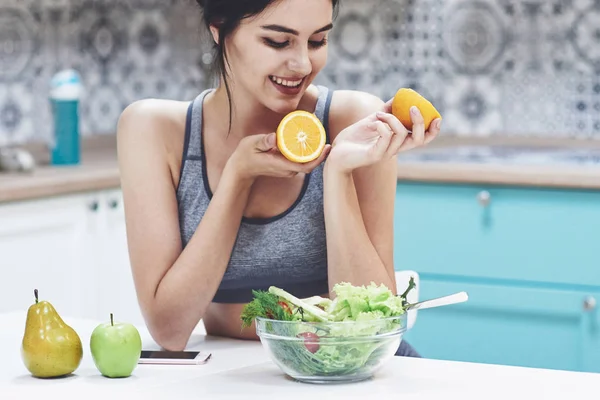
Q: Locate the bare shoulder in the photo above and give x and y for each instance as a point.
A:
(152, 129)
(152, 118)
(350, 106)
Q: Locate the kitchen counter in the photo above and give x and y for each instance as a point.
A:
(503, 161)
(242, 369)
(98, 170)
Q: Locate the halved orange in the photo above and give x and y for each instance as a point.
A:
(404, 99)
(301, 136)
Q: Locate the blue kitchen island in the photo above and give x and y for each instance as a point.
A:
(518, 229)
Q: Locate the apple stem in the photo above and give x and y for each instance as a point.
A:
(35, 293)
(111, 320)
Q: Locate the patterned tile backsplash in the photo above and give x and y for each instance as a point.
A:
(492, 67)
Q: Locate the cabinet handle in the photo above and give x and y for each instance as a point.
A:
(94, 205)
(484, 198)
(589, 303)
(113, 204)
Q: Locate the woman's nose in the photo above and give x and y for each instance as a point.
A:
(300, 63)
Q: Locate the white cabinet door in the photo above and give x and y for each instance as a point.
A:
(74, 250)
(114, 284)
(43, 246)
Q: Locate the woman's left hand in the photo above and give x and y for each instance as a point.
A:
(378, 137)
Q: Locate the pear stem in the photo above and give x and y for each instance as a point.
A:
(35, 293)
(111, 320)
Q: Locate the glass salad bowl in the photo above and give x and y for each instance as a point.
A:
(331, 352)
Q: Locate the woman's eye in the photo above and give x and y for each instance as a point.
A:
(315, 44)
(276, 45)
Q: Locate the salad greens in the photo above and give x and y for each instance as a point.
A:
(351, 303)
(334, 337)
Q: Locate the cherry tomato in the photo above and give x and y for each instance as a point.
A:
(311, 341)
(284, 305)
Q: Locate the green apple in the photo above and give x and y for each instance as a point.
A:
(116, 348)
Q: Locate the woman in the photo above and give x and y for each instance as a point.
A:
(213, 210)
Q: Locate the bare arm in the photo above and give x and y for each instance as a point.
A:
(359, 207)
(174, 287)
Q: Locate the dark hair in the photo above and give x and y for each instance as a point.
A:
(226, 15)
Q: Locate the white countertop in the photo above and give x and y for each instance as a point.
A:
(241, 369)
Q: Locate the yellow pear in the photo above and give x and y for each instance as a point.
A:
(50, 347)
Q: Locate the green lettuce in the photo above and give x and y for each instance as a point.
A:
(352, 301)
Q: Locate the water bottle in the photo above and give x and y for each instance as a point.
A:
(65, 94)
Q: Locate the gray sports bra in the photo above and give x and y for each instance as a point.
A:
(287, 250)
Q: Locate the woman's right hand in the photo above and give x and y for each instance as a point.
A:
(258, 155)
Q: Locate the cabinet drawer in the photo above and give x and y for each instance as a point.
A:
(521, 326)
(517, 234)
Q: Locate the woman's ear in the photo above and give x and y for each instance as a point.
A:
(214, 31)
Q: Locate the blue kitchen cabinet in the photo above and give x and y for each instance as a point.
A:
(529, 260)
(510, 325)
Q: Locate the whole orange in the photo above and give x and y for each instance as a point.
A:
(404, 99)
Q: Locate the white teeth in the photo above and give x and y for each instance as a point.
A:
(284, 82)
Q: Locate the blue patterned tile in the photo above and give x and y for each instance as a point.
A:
(473, 107)
(584, 34)
(475, 37)
(17, 113)
(504, 67)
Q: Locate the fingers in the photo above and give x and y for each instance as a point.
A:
(402, 139)
(418, 129)
(387, 107)
(396, 144)
(265, 142)
(293, 168)
(410, 143)
(385, 137)
(400, 133)
(307, 167)
(393, 123)
(434, 130)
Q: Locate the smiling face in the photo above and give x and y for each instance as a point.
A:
(274, 56)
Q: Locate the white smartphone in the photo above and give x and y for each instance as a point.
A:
(187, 357)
